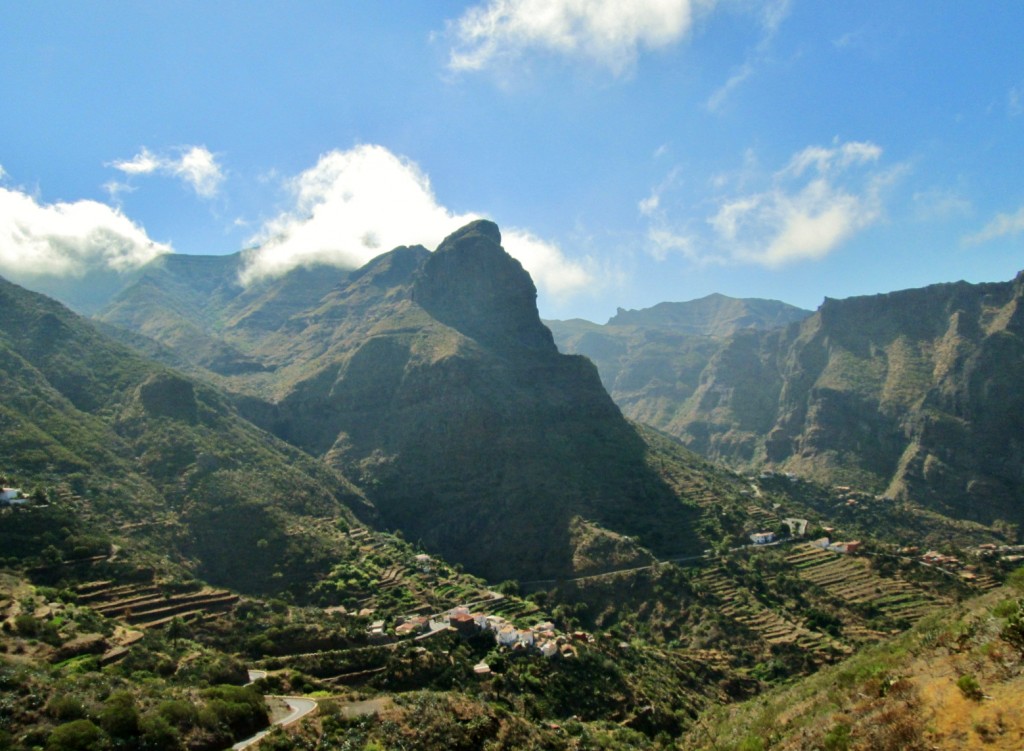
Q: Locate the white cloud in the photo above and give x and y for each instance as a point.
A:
(650, 204)
(1001, 226)
(354, 205)
(717, 100)
(550, 269)
(195, 165)
(772, 14)
(939, 204)
(838, 158)
(664, 241)
(3, 172)
(608, 32)
(820, 198)
(68, 239)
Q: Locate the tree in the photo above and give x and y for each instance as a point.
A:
(176, 630)
(119, 717)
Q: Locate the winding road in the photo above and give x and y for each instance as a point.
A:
(298, 707)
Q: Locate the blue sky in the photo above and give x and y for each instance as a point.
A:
(631, 152)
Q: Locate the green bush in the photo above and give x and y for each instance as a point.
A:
(970, 687)
(837, 739)
(119, 717)
(79, 735)
(157, 734)
(178, 712)
(65, 707)
(1006, 609)
(751, 743)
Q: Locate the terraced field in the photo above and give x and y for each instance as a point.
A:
(388, 567)
(773, 627)
(853, 581)
(149, 606)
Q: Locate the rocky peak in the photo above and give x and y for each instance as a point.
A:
(471, 284)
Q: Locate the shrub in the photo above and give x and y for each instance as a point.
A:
(119, 717)
(79, 735)
(65, 707)
(157, 734)
(750, 743)
(178, 712)
(837, 739)
(970, 687)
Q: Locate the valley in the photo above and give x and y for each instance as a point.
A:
(386, 488)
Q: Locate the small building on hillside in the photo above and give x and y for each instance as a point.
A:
(507, 635)
(9, 495)
(412, 625)
(762, 538)
(850, 546)
(548, 647)
(464, 623)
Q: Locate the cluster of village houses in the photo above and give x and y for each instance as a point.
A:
(540, 638)
(952, 563)
(1005, 553)
(849, 546)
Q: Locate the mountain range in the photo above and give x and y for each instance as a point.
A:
(427, 380)
(909, 394)
(280, 438)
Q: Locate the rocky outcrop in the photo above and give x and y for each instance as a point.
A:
(910, 393)
(439, 389)
(472, 285)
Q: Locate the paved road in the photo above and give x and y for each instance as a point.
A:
(299, 708)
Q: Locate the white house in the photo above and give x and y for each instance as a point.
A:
(9, 494)
(762, 538)
(547, 647)
(507, 635)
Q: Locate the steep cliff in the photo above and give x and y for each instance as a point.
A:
(911, 393)
(446, 397)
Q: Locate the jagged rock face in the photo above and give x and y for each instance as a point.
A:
(470, 432)
(912, 393)
(471, 284)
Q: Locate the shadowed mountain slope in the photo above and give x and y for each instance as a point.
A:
(430, 380)
(909, 393)
(146, 446)
(651, 360)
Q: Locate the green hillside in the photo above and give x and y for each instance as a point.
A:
(138, 444)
